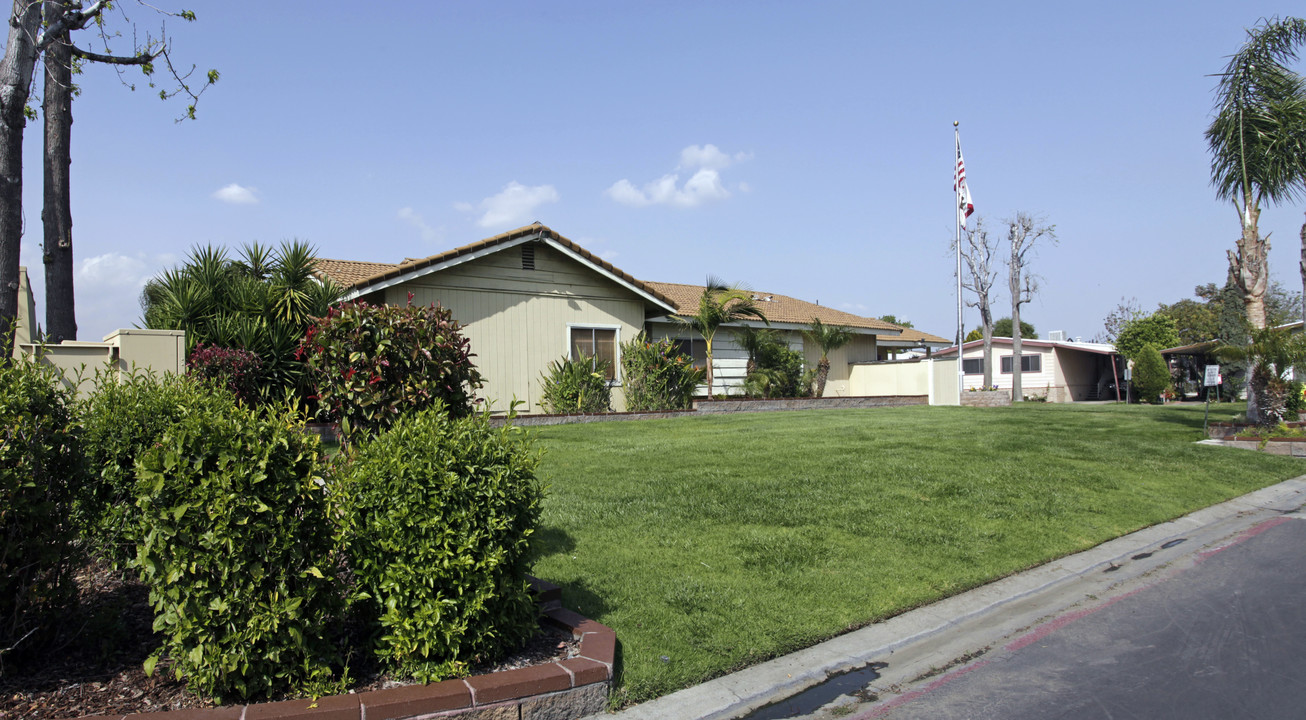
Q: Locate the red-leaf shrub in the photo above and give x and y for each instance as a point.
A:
(372, 362)
(232, 368)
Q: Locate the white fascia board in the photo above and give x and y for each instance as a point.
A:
(429, 269)
(605, 273)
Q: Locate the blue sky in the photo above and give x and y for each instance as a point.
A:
(799, 148)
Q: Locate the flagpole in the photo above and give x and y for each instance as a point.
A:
(956, 207)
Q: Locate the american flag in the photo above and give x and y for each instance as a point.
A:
(964, 205)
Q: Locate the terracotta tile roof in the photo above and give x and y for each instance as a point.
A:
(348, 272)
(780, 308)
(356, 275)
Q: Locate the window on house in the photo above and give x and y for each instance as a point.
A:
(972, 366)
(1028, 364)
(598, 344)
(696, 348)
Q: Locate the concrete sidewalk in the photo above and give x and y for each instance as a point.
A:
(924, 641)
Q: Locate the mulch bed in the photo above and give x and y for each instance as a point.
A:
(94, 665)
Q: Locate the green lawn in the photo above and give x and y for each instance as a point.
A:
(713, 543)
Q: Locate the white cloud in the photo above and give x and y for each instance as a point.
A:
(704, 185)
(709, 156)
(237, 195)
(108, 290)
(513, 205)
(412, 217)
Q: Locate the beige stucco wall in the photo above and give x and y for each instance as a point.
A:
(837, 384)
(518, 320)
(122, 352)
(933, 377)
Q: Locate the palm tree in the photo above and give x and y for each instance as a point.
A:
(1270, 354)
(1258, 144)
(828, 338)
(718, 305)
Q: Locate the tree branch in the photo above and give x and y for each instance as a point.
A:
(68, 21)
(141, 59)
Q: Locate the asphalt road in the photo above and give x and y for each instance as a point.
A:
(1223, 638)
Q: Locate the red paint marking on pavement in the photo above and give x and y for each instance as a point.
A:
(1050, 627)
(1245, 535)
(909, 696)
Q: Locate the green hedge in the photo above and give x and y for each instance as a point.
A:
(40, 471)
(238, 554)
(121, 420)
(439, 514)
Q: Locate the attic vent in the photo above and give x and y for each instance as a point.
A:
(528, 257)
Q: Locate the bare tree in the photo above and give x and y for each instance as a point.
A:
(36, 27)
(978, 277)
(1127, 311)
(1024, 232)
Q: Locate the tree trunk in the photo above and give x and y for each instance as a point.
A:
(1017, 391)
(1302, 267)
(822, 374)
(15, 85)
(1251, 268)
(986, 329)
(56, 215)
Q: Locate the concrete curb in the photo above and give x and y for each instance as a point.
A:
(926, 638)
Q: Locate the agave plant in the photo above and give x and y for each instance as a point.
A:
(261, 301)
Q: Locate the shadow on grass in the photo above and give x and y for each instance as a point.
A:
(549, 541)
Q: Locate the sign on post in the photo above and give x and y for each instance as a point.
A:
(1212, 378)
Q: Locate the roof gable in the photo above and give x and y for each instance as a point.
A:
(360, 278)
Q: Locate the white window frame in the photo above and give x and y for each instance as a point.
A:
(616, 351)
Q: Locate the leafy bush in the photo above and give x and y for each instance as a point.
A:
(238, 556)
(40, 470)
(1156, 330)
(370, 362)
(576, 386)
(776, 370)
(1296, 400)
(1151, 377)
(121, 420)
(232, 368)
(657, 375)
(439, 514)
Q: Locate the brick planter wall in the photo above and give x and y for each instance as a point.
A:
(570, 688)
(986, 398)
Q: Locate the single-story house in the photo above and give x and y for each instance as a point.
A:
(530, 296)
(1060, 370)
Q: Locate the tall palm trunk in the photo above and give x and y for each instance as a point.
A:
(1250, 266)
(822, 374)
(15, 86)
(56, 215)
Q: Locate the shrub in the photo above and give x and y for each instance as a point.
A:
(777, 370)
(232, 368)
(372, 362)
(657, 375)
(576, 386)
(1296, 400)
(238, 556)
(1151, 377)
(439, 514)
(121, 420)
(40, 470)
